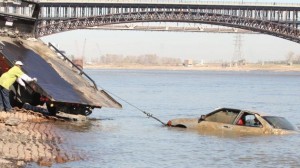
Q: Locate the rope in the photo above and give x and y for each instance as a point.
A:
(148, 114)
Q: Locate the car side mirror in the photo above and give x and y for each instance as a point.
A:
(202, 118)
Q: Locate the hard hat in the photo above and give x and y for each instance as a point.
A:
(18, 63)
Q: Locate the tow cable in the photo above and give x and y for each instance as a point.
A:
(149, 115)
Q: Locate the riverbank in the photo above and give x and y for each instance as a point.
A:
(30, 138)
(206, 67)
(26, 136)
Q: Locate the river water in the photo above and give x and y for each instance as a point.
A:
(128, 139)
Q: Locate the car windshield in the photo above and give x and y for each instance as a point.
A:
(279, 122)
(226, 116)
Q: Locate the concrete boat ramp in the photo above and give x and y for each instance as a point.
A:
(61, 85)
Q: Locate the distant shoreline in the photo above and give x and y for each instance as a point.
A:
(206, 67)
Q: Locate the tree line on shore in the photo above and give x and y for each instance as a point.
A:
(153, 59)
(293, 58)
(148, 59)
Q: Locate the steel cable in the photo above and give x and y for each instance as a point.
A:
(149, 115)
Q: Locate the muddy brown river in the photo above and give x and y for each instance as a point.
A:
(128, 139)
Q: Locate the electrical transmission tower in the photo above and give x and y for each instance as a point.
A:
(237, 58)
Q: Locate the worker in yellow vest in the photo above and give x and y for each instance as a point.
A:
(7, 79)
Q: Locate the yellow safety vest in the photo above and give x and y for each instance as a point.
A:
(9, 77)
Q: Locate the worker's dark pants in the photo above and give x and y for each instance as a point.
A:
(4, 99)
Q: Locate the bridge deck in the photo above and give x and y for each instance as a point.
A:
(176, 2)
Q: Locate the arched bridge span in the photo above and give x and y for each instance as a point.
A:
(45, 17)
(47, 27)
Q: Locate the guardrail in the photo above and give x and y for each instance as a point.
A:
(81, 72)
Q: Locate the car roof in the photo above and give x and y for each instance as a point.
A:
(248, 111)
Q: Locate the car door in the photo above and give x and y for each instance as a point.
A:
(214, 127)
(251, 126)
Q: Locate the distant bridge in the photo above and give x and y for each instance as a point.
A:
(47, 17)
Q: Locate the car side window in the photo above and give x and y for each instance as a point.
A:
(252, 121)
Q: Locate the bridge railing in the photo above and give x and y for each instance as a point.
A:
(17, 10)
(188, 2)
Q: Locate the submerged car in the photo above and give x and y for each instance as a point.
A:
(237, 121)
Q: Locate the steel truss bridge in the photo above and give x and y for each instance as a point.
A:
(178, 28)
(47, 17)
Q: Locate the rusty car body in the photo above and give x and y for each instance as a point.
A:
(237, 121)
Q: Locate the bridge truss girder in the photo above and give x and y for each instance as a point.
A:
(278, 29)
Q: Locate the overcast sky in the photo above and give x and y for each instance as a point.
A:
(184, 45)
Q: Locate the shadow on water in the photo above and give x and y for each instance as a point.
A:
(80, 126)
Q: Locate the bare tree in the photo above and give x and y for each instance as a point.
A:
(297, 59)
(290, 58)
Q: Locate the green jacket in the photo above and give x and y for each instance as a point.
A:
(9, 77)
